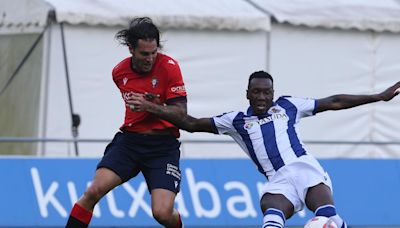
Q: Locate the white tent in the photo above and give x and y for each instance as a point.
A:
(321, 48)
(312, 48)
(208, 38)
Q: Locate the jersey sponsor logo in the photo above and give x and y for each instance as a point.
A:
(127, 95)
(178, 89)
(125, 80)
(281, 116)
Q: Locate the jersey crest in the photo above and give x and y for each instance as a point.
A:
(154, 82)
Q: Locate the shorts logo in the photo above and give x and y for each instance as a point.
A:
(173, 171)
(125, 80)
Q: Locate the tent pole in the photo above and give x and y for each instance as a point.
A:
(74, 117)
(42, 129)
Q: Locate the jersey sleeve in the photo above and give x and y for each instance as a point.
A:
(117, 71)
(176, 87)
(224, 123)
(305, 106)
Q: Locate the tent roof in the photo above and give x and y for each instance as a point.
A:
(248, 15)
(192, 14)
(377, 15)
(23, 16)
(204, 14)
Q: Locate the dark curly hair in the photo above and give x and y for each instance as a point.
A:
(139, 28)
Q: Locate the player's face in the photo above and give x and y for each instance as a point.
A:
(260, 95)
(144, 55)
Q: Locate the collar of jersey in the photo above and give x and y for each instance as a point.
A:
(250, 111)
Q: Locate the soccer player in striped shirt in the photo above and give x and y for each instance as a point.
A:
(267, 133)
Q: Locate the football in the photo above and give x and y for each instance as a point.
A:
(320, 222)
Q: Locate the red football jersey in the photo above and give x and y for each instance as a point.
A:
(165, 80)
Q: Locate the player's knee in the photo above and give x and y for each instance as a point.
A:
(266, 202)
(277, 201)
(93, 194)
(162, 215)
(264, 205)
(318, 196)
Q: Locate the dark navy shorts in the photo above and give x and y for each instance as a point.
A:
(156, 156)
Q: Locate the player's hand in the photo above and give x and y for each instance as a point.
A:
(138, 102)
(135, 102)
(390, 92)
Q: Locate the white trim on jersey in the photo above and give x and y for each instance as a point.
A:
(270, 140)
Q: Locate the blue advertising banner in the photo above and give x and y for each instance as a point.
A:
(41, 192)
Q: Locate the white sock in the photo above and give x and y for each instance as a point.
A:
(330, 212)
(338, 220)
(273, 218)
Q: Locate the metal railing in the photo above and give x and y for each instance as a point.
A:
(187, 145)
(88, 140)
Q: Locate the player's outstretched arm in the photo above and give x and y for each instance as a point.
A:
(344, 101)
(175, 113)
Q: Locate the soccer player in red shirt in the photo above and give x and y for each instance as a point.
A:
(144, 143)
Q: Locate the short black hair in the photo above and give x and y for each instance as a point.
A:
(139, 28)
(260, 74)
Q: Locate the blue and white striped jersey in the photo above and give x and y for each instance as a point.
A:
(271, 139)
